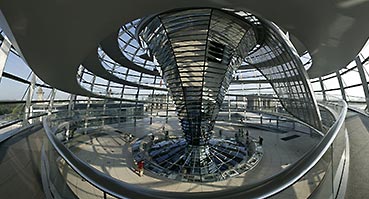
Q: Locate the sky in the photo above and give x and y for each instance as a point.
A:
(13, 90)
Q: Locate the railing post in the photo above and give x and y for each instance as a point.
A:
(87, 114)
(341, 85)
(89, 103)
(363, 80)
(323, 89)
(120, 106)
(51, 102)
(229, 108)
(108, 94)
(71, 103)
(152, 100)
(121, 96)
(135, 112)
(28, 108)
(166, 119)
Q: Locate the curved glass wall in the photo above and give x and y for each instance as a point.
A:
(348, 83)
(250, 91)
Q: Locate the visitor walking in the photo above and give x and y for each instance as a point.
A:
(140, 167)
(261, 141)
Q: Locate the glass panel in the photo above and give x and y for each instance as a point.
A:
(15, 93)
(335, 93)
(350, 78)
(355, 93)
(316, 86)
(331, 83)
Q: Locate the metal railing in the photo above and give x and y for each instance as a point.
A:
(17, 121)
(326, 158)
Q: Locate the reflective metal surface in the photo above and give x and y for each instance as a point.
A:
(198, 50)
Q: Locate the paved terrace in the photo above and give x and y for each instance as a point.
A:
(20, 158)
(109, 152)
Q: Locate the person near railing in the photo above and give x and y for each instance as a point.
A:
(261, 140)
(140, 167)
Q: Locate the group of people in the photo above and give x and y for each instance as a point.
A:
(241, 134)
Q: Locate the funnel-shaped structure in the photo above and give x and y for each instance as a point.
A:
(198, 51)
